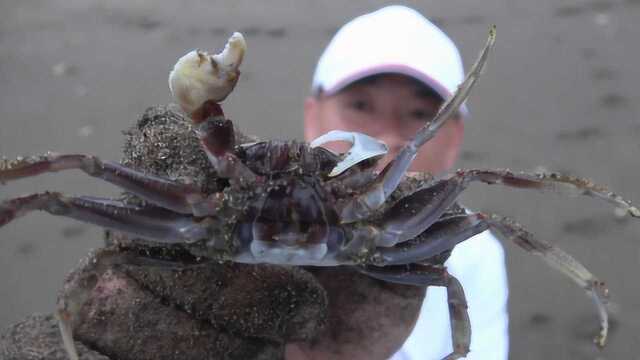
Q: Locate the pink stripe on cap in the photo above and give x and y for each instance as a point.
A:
(396, 69)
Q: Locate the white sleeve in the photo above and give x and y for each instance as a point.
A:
(479, 265)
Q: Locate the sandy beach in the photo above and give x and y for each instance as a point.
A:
(560, 93)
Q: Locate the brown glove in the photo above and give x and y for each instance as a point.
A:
(158, 311)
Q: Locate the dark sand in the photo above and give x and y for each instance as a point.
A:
(560, 93)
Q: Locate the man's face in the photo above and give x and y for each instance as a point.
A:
(391, 108)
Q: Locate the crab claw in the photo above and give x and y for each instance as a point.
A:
(364, 147)
(199, 77)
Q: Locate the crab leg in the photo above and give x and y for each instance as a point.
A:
(181, 198)
(561, 261)
(362, 206)
(430, 275)
(217, 139)
(155, 223)
(563, 184)
(442, 236)
(411, 215)
(405, 220)
(408, 218)
(415, 213)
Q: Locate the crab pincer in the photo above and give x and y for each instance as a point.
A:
(199, 81)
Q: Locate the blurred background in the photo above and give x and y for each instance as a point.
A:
(560, 93)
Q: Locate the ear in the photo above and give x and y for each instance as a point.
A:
(311, 115)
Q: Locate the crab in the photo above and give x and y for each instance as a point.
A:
(292, 203)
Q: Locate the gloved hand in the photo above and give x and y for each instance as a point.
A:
(155, 310)
(160, 311)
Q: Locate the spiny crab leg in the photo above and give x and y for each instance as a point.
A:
(566, 185)
(415, 213)
(401, 163)
(398, 264)
(562, 184)
(555, 257)
(363, 147)
(442, 236)
(152, 223)
(432, 275)
(181, 198)
(561, 261)
(408, 218)
(405, 220)
(391, 176)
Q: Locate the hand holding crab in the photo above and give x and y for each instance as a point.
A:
(134, 295)
(293, 204)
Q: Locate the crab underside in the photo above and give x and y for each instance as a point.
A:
(291, 203)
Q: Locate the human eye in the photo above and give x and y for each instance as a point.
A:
(359, 105)
(421, 115)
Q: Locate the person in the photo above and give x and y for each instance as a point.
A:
(385, 74)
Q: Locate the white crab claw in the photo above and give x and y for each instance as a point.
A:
(199, 76)
(363, 147)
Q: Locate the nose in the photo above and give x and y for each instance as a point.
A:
(388, 133)
(386, 126)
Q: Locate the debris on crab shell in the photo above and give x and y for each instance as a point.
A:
(199, 76)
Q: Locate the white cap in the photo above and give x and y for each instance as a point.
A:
(394, 39)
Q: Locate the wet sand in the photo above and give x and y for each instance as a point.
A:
(559, 94)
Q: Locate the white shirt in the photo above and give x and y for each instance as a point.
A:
(479, 265)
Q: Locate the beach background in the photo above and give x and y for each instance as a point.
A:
(560, 93)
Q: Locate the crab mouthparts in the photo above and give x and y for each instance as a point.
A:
(288, 238)
(279, 253)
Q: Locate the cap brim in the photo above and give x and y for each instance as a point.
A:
(364, 72)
